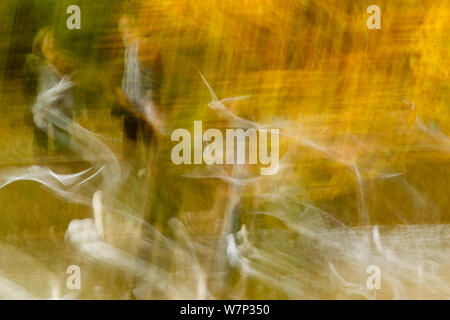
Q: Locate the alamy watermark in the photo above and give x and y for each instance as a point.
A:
(74, 20)
(73, 282)
(374, 280)
(214, 152)
(374, 21)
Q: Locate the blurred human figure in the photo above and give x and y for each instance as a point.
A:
(139, 93)
(139, 97)
(45, 68)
